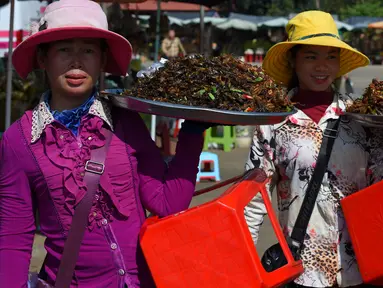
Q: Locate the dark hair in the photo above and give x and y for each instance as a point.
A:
(104, 45)
(294, 82)
(43, 48)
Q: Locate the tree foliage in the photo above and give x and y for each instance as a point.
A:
(343, 8)
(372, 8)
(254, 7)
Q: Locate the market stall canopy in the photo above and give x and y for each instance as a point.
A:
(247, 22)
(151, 5)
(241, 22)
(187, 15)
(120, 1)
(144, 20)
(377, 25)
(251, 18)
(213, 20)
(175, 21)
(277, 22)
(237, 24)
(208, 3)
(362, 22)
(272, 21)
(343, 26)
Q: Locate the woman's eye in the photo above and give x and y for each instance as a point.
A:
(332, 57)
(63, 49)
(89, 51)
(310, 57)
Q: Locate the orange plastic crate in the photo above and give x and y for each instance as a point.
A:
(363, 212)
(211, 246)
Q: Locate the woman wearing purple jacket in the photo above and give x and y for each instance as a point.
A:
(43, 157)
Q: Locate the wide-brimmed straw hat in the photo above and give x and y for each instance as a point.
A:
(69, 19)
(310, 28)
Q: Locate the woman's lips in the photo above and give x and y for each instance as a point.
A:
(75, 79)
(320, 79)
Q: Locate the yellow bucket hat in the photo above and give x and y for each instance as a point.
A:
(311, 28)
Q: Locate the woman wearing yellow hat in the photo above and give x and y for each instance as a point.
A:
(308, 62)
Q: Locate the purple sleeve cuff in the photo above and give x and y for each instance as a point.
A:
(166, 190)
(17, 223)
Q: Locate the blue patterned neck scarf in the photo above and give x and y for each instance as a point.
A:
(70, 118)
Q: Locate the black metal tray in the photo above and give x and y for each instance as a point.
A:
(367, 119)
(192, 112)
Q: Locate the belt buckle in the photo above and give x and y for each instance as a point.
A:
(94, 167)
(330, 132)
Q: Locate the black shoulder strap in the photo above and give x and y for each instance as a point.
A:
(300, 227)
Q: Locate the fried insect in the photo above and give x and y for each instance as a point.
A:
(218, 82)
(371, 101)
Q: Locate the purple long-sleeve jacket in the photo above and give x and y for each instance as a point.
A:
(42, 166)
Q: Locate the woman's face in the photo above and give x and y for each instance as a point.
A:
(317, 67)
(73, 66)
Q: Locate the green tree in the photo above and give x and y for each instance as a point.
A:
(253, 7)
(372, 8)
(281, 8)
(343, 8)
(25, 94)
(334, 6)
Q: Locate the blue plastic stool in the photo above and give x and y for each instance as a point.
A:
(211, 159)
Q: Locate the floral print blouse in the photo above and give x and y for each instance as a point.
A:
(288, 153)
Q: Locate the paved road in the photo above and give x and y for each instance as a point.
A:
(232, 164)
(363, 76)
